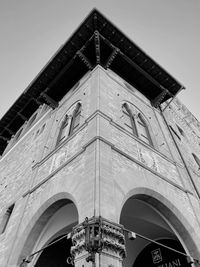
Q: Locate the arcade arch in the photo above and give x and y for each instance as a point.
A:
(58, 225)
(149, 214)
(46, 226)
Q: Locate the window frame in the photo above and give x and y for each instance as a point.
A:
(71, 118)
(135, 124)
(174, 132)
(6, 218)
(197, 160)
(146, 128)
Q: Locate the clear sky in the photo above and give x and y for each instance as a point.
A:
(32, 31)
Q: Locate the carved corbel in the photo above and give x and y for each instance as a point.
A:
(157, 101)
(98, 235)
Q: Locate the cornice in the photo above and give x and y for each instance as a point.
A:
(96, 42)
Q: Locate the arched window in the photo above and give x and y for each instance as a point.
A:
(197, 160)
(174, 132)
(32, 119)
(136, 124)
(5, 219)
(18, 134)
(180, 130)
(64, 129)
(75, 120)
(129, 118)
(70, 123)
(142, 129)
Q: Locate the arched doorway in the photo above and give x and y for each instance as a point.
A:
(54, 219)
(58, 226)
(155, 255)
(141, 216)
(56, 254)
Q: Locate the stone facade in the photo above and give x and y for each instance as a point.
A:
(99, 167)
(103, 166)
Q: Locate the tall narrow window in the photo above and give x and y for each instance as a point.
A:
(6, 219)
(64, 130)
(70, 123)
(197, 160)
(142, 129)
(129, 118)
(136, 124)
(32, 119)
(75, 121)
(180, 130)
(18, 134)
(172, 129)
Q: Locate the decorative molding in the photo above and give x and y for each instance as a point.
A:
(97, 47)
(85, 60)
(146, 157)
(78, 241)
(158, 100)
(112, 57)
(113, 240)
(98, 235)
(50, 101)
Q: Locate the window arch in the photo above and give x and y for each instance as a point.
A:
(6, 218)
(32, 119)
(18, 134)
(197, 160)
(75, 119)
(174, 132)
(180, 130)
(136, 124)
(70, 123)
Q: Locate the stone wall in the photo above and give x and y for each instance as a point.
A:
(97, 168)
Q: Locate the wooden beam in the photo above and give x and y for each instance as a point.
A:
(4, 138)
(85, 60)
(52, 103)
(60, 73)
(111, 57)
(95, 21)
(74, 45)
(157, 101)
(97, 46)
(39, 102)
(10, 131)
(142, 71)
(22, 116)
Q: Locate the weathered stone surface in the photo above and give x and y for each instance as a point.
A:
(99, 167)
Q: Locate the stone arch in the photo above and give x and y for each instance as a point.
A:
(37, 223)
(68, 118)
(138, 111)
(173, 216)
(137, 122)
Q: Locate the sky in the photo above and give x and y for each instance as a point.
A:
(31, 31)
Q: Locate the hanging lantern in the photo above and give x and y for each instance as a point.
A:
(93, 237)
(97, 234)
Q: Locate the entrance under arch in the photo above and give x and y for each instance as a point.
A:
(55, 222)
(56, 255)
(141, 217)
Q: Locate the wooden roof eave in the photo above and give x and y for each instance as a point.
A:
(94, 30)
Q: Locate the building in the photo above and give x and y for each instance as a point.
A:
(99, 147)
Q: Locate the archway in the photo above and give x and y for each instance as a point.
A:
(55, 218)
(142, 214)
(56, 255)
(57, 227)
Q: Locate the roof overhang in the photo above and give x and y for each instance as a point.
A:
(96, 41)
